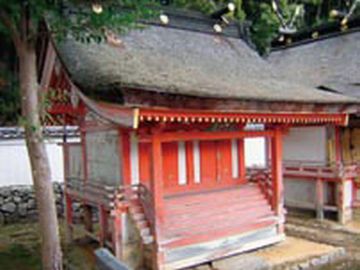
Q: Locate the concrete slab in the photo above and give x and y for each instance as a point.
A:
(240, 262)
(293, 250)
(353, 226)
(291, 253)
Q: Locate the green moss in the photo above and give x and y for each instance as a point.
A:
(20, 249)
(18, 256)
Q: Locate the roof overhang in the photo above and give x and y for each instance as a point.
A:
(189, 116)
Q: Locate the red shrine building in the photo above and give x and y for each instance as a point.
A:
(163, 114)
(323, 175)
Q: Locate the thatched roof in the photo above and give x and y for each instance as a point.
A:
(175, 61)
(331, 63)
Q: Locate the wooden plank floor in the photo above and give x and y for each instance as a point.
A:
(207, 216)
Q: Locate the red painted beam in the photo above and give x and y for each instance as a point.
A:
(212, 135)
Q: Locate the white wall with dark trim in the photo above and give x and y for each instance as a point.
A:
(15, 165)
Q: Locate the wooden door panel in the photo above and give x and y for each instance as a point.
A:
(208, 162)
(145, 162)
(170, 164)
(224, 161)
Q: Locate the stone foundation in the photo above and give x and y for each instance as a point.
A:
(18, 203)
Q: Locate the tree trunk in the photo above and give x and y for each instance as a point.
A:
(49, 230)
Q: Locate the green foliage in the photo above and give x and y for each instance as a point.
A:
(86, 25)
(264, 27)
(264, 22)
(76, 17)
(204, 6)
(20, 20)
(9, 98)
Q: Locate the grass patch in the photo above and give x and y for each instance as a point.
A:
(17, 256)
(20, 249)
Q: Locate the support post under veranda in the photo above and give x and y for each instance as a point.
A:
(157, 198)
(103, 220)
(343, 212)
(277, 178)
(122, 238)
(319, 199)
(69, 218)
(67, 197)
(117, 233)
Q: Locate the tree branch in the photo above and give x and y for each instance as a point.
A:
(14, 33)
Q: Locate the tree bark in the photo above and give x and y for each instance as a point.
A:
(29, 89)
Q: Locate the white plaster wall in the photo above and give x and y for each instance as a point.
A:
(15, 165)
(348, 193)
(255, 153)
(305, 144)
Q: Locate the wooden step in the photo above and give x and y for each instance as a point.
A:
(220, 202)
(141, 224)
(234, 194)
(178, 231)
(209, 235)
(148, 240)
(221, 209)
(137, 214)
(210, 215)
(135, 209)
(217, 219)
(145, 233)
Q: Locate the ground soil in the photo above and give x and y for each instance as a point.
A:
(20, 249)
(331, 233)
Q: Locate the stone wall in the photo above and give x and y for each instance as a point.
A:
(18, 203)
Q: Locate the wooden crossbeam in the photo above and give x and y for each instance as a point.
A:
(210, 136)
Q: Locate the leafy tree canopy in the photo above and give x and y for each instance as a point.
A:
(20, 22)
(264, 20)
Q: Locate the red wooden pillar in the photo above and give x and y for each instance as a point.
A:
(241, 154)
(87, 210)
(68, 200)
(83, 152)
(157, 197)
(157, 177)
(267, 152)
(117, 233)
(103, 220)
(277, 177)
(69, 217)
(319, 199)
(342, 215)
